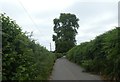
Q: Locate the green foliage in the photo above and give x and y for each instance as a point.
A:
(59, 55)
(101, 55)
(22, 57)
(65, 29)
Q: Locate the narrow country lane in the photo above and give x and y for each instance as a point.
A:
(66, 70)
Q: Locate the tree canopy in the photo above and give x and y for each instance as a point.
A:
(65, 29)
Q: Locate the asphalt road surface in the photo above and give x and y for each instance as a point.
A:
(66, 70)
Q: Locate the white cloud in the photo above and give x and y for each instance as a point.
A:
(46, 5)
(98, 0)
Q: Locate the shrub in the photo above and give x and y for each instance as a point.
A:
(22, 57)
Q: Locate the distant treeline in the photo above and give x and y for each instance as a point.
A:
(101, 55)
(22, 57)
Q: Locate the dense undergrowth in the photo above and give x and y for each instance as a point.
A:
(101, 55)
(22, 57)
(59, 55)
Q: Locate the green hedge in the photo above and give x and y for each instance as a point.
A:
(101, 55)
(59, 55)
(22, 57)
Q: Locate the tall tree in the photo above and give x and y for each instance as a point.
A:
(65, 29)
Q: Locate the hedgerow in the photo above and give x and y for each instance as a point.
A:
(101, 55)
(22, 57)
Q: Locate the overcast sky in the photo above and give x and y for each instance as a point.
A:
(96, 16)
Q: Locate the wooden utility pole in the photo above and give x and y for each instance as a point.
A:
(50, 47)
(119, 14)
